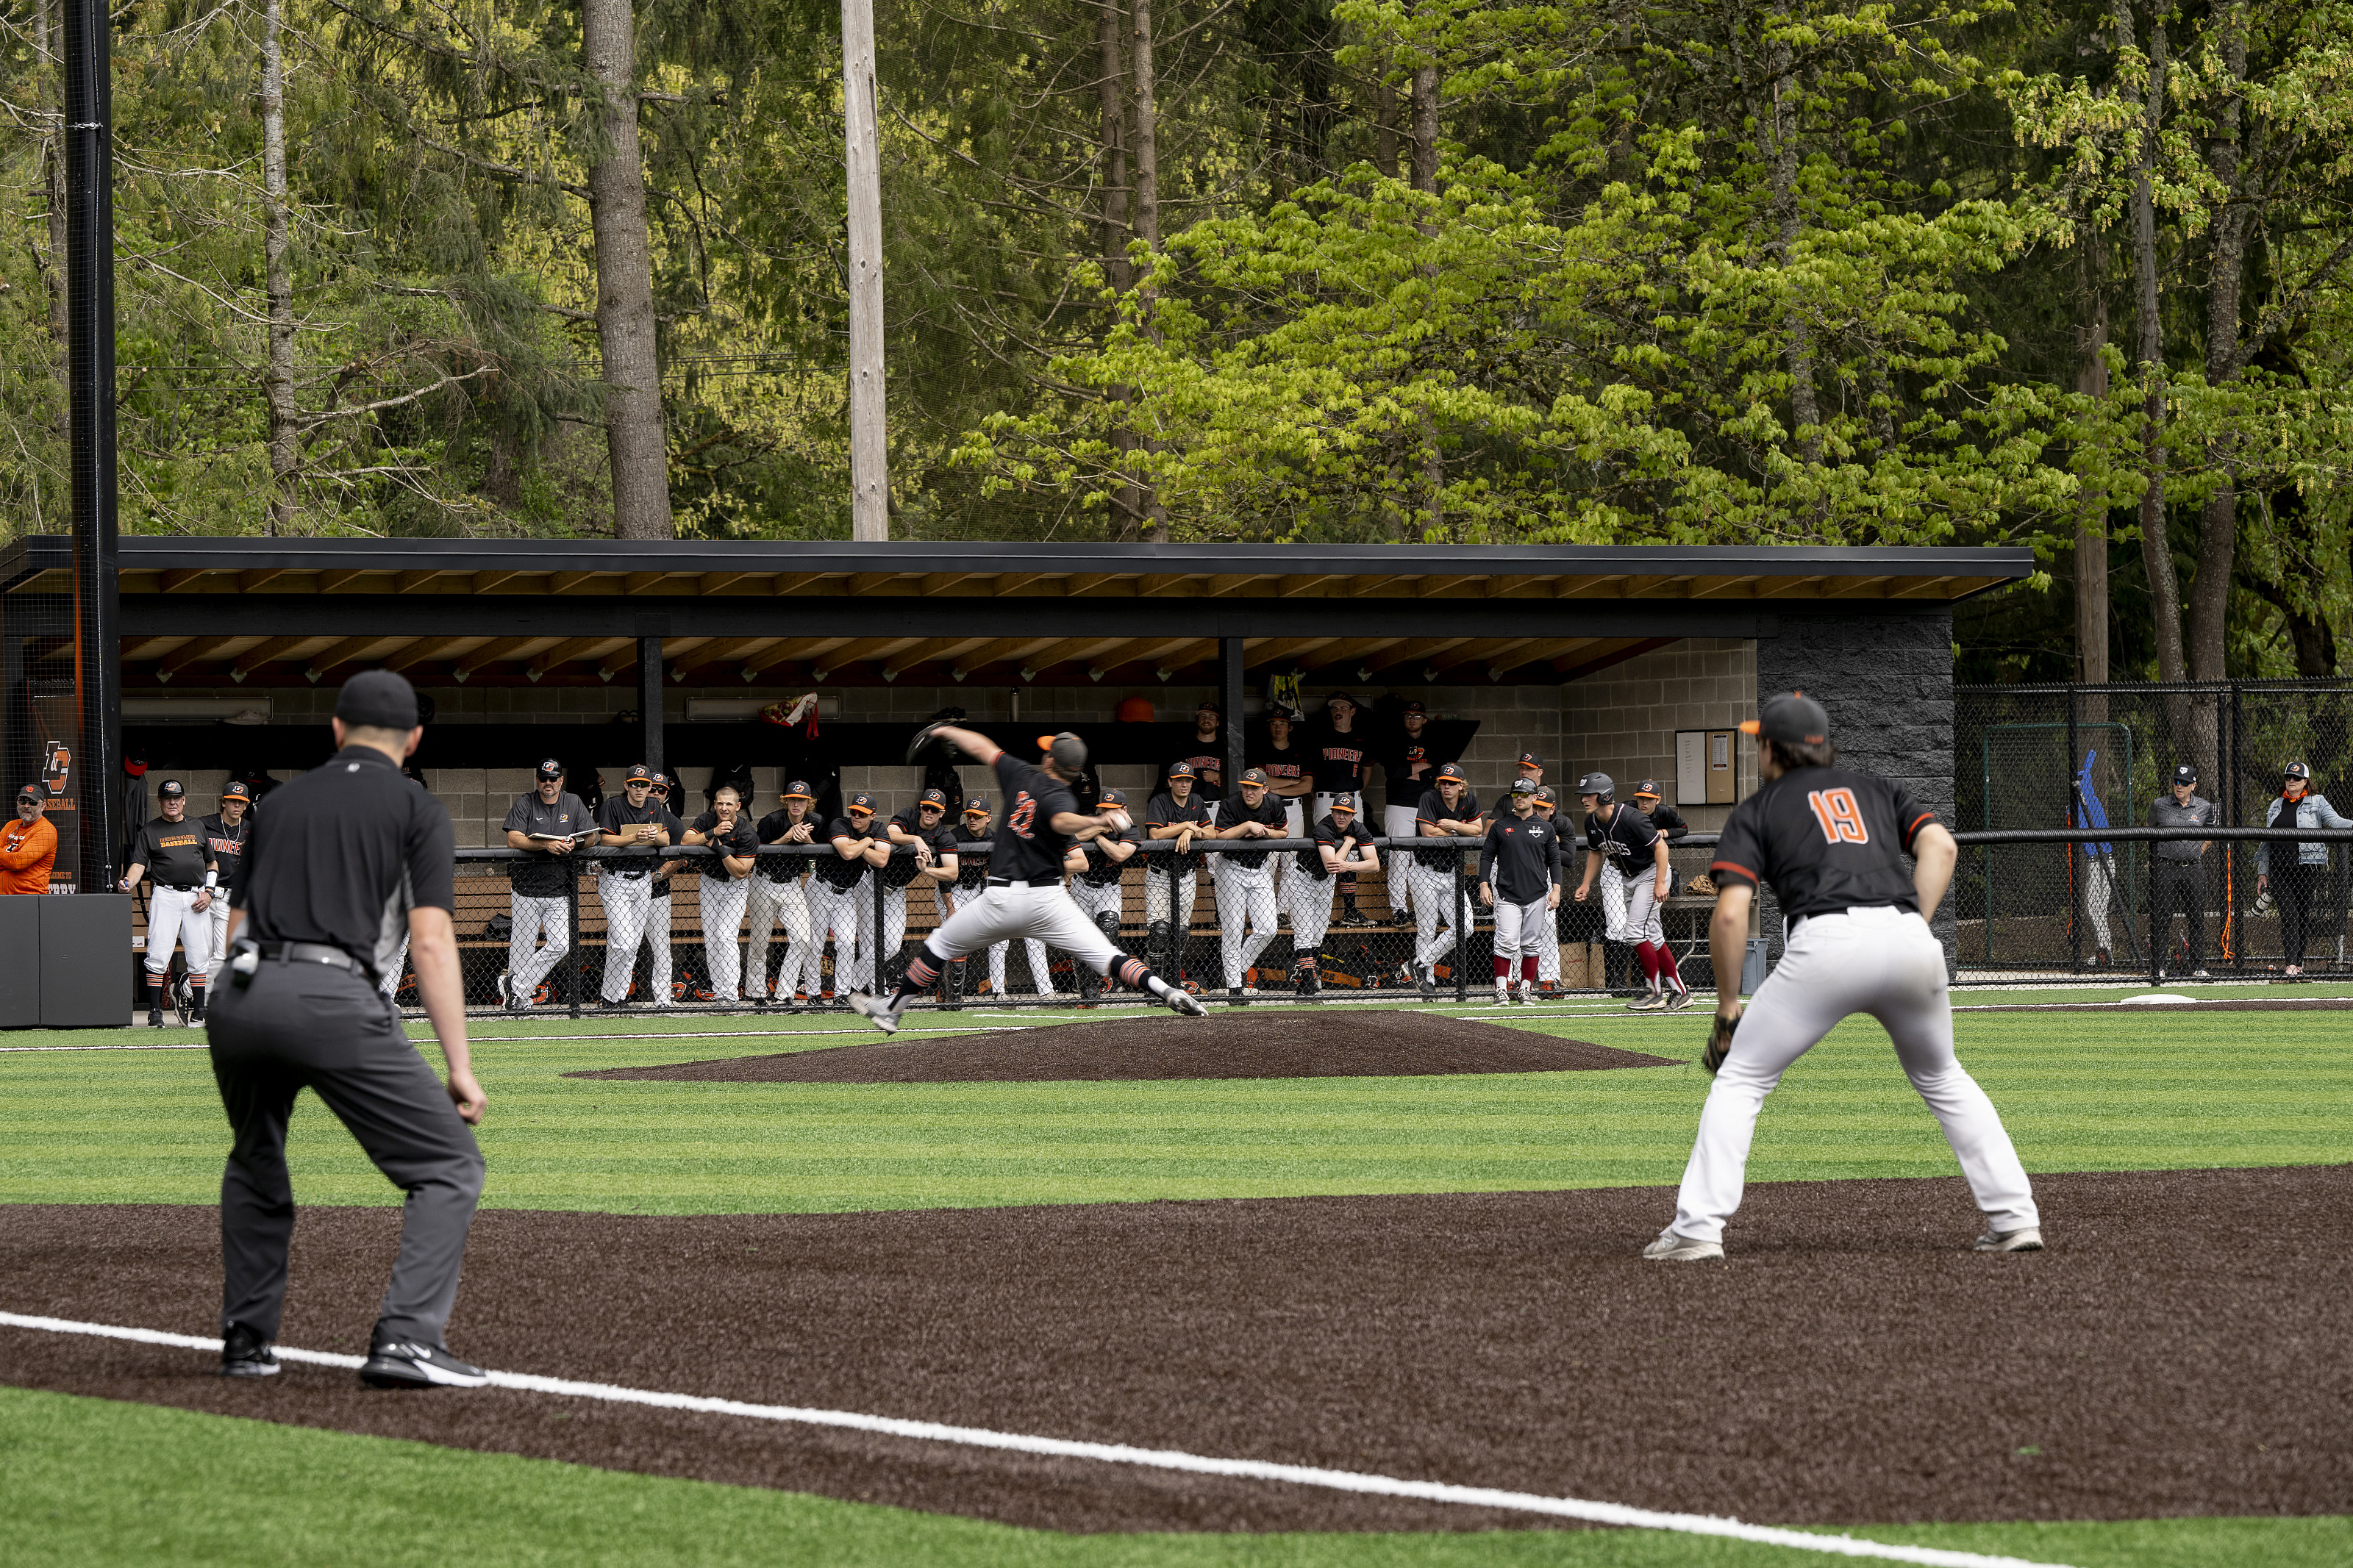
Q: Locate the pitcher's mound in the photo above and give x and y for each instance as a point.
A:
(1265, 1044)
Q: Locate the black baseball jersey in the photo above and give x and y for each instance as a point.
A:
(1029, 849)
(1101, 869)
(772, 830)
(226, 843)
(1203, 761)
(833, 870)
(1283, 764)
(740, 839)
(1398, 758)
(903, 868)
(341, 854)
(1164, 812)
(1668, 821)
(1340, 762)
(614, 813)
(1329, 831)
(1520, 859)
(1827, 838)
(1625, 840)
(972, 865)
(176, 854)
(541, 876)
(1232, 813)
(1433, 810)
(668, 820)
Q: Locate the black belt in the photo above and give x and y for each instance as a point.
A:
(179, 887)
(316, 952)
(1025, 882)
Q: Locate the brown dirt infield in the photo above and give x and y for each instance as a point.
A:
(1264, 1043)
(2183, 1349)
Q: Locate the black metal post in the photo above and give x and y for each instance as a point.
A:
(1230, 653)
(90, 355)
(2236, 928)
(874, 960)
(650, 702)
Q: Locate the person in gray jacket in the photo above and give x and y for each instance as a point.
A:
(2179, 867)
(2301, 871)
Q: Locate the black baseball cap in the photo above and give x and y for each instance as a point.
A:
(1452, 771)
(378, 699)
(1342, 697)
(2184, 773)
(550, 768)
(1110, 797)
(662, 782)
(797, 789)
(1253, 776)
(862, 801)
(173, 789)
(1524, 787)
(1344, 801)
(1181, 771)
(639, 774)
(2297, 771)
(938, 797)
(34, 793)
(1530, 760)
(1647, 787)
(976, 806)
(1208, 705)
(1544, 795)
(236, 790)
(1415, 707)
(1795, 717)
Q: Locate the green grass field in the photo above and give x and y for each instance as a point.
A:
(92, 1482)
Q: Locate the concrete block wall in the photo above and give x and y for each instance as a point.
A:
(1622, 721)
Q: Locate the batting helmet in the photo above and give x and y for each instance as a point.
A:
(1602, 785)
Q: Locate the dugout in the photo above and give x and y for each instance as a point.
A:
(231, 650)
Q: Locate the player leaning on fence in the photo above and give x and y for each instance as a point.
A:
(1832, 842)
(549, 821)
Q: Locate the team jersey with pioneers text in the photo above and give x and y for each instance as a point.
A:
(1028, 850)
(1284, 766)
(1625, 840)
(1827, 839)
(226, 843)
(1340, 762)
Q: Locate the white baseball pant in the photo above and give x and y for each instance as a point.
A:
(217, 916)
(172, 919)
(1524, 930)
(1169, 900)
(2099, 888)
(773, 903)
(1095, 902)
(1294, 826)
(1245, 900)
(874, 957)
(1643, 921)
(1040, 915)
(1400, 822)
(1884, 961)
(629, 920)
(1612, 885)
(953, 900)
(1433, 912)
(1548, 950)
(1307, 899)
(723, 899)
(534, 917)
(833, 911)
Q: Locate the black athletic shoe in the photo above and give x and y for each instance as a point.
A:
(1352, 915)
(605, 1007)
(1427, 978)
(1402, 918)
(406, 1363)
(1234, 997)
(154, 1017)
(246, 1355)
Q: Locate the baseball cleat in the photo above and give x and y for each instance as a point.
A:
(2026, 1239)
(1527, 993)
(1649, 1002)
(1426, 977)
(1679, 1001)
(1236, 996)
(875, 1011)
(154, 1017)
(246, 1355)
(1672, 1249)
(1185, 1004)
(407, 1363)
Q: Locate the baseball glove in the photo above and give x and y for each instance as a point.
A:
(928, 748)
(1719, 1043)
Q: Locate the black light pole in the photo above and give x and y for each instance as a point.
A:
(89, 314)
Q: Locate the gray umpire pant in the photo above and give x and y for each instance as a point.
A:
(307, 1026)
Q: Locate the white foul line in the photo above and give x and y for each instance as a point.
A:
(1122, 1454)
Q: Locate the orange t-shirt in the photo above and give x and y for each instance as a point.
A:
(25, 855)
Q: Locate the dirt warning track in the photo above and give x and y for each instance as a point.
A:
(1262, 1042)
(2183, 1349)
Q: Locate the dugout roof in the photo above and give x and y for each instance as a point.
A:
(290, 612)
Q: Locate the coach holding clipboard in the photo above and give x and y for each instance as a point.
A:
(341, 863)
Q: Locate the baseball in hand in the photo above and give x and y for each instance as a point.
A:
(1117, 820)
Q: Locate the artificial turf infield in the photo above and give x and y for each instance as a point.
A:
(2081, 1091)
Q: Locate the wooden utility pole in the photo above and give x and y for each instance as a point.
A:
(870, 474)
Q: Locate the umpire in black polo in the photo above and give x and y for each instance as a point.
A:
(343, 862)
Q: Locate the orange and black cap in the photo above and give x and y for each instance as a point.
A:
(1795, 717)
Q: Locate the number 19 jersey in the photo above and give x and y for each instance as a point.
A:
(1827, 840)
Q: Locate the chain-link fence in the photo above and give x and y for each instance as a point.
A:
(608, 929)
(2102, 756)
